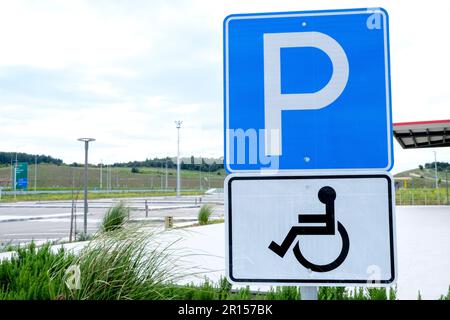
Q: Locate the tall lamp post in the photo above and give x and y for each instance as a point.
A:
(35, 172)
(446, 182)
(101, 174)
(178, 125)
(86, 149)
(15, 178)
(435, 170)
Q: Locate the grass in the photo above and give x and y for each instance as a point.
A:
(204, 213)
(424, 196)
(132, 264)
(124, 264)
(28, 275)
(91, 195)
(115, 217)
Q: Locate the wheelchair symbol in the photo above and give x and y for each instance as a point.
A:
(326, 195)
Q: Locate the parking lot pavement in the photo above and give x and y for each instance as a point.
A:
(26, 221)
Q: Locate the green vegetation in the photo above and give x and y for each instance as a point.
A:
(124, 264)
(425, 196)
(92, 195)
(28, 274)
(6, 158)
(131, 264)
(203, 215)
(421, 178)
(440, 166)
(191, 164)
(115, 218)
(63, 177)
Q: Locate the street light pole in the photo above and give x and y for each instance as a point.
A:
(15, 178)
(446, 183)
(166, 176)
(86, 149)
(435, 170)
(35, 172)
(101, 174)
(178, 125)
(200, 173)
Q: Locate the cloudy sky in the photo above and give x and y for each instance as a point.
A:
(123, 71)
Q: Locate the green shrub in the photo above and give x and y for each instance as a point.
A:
(205, 212)
(332, 293)
(115, 218)
(28, 275)
(135, 170)
(126, 264)
(284, 293)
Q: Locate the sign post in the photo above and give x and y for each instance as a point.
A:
(308, 146)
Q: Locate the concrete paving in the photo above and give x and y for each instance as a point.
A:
(50, 220)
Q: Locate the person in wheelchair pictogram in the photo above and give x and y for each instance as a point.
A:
(327, 195)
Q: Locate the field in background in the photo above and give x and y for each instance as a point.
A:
(53, 177)
(415, 187)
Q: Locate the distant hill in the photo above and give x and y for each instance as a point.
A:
(191, 163)
(422, 178)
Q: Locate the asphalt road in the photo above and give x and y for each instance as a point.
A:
(27, 221)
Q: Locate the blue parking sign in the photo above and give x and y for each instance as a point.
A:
(307, 91)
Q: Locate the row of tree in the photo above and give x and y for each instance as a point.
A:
(10, 157)
(193, 165)
(441, 166)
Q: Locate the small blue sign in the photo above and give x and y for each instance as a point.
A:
(307, 91)
(22, 183)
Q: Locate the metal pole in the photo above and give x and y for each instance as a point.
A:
(86, 149)
(35, 172)
(73, 208)
(101, 174)
(108, 177)
(200, 175)
(178, 124)
(435, 170)
(209, 176)
(178, 162)
(309, 293)
(166, 176)
(15, 178)
(11, 178)
(446, 183)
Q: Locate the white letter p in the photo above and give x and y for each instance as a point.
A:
(275, 102)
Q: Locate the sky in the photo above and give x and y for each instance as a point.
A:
(124, 71)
